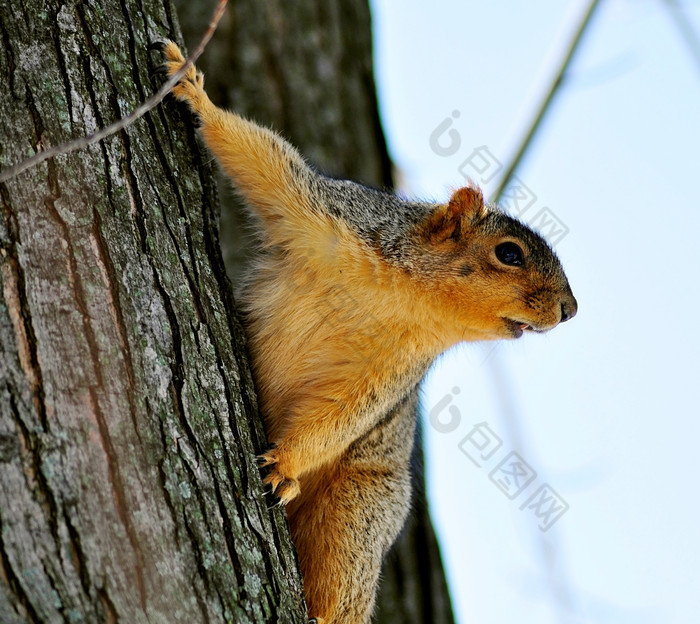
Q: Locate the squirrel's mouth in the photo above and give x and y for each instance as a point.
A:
(517, 328)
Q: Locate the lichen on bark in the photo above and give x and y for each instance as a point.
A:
(128, 424)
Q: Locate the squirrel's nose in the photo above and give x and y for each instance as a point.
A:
(569, 307)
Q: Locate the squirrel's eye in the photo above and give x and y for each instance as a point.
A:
(510, 254)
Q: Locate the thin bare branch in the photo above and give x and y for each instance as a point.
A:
(686, 29)
(544, 107)
(148, 105)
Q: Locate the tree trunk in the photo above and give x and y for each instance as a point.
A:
(305, 69)
(128, 424)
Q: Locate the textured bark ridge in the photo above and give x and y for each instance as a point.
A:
(128, 425)
(305, 69)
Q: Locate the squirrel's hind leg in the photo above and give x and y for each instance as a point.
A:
(348, 515)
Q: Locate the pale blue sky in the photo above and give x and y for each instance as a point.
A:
(606, 406)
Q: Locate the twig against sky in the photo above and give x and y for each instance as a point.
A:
(544, 107)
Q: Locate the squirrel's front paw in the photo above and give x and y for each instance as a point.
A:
(283, 486)
(190, 88)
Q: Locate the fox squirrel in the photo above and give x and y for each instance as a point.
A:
(355, 293)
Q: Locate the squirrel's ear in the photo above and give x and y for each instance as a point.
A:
(451, 220)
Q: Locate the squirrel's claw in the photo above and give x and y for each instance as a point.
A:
(285, 489)
(158, 46)
(275, 505)
(266, 459)
(161, 70)
(282, 486)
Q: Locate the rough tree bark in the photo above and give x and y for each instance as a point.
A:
(305, 68)
(128, 426)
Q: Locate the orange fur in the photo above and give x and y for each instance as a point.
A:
(340, 335)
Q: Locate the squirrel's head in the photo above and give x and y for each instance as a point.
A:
(486, 275)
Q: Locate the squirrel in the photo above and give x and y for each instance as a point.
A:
(354, 294)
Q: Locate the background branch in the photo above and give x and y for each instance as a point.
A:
(546, 103)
